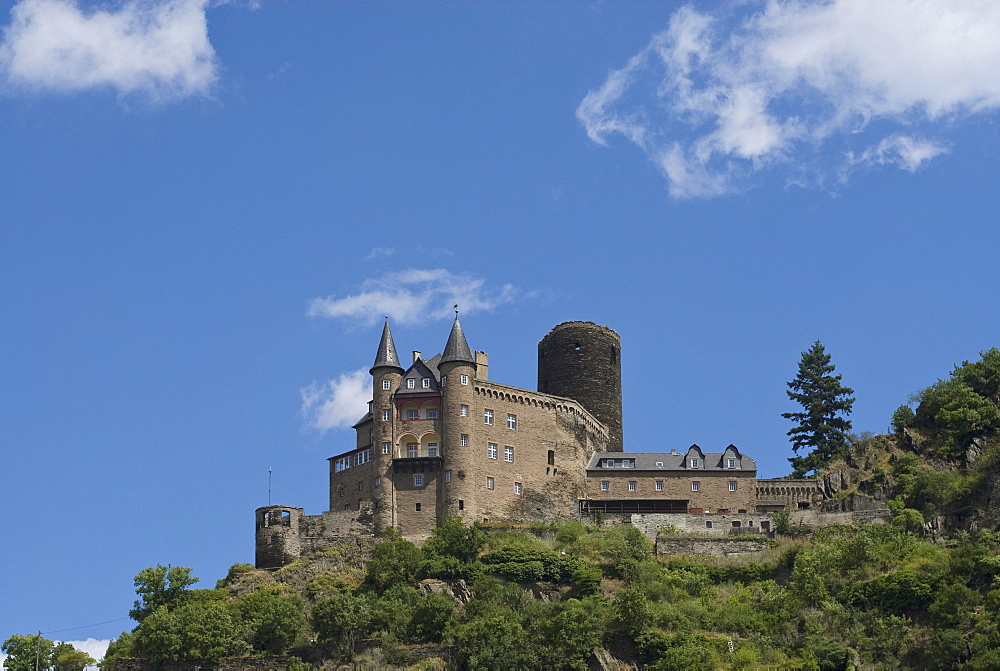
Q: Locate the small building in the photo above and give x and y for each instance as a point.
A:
(677, 482)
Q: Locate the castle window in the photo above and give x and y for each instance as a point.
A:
(491, 450)
(341, 464)
(552, 457)
(695, 463)
(432, 449)
(463, 410)
(432, 414)
(363, 457)
(417, 507)
(418, 480)
(659, 485)
(463, 440)
(412, 414)
(361, 486)
(631, 485)
(511, 421)
(378, 482)
(465, 379)
(488, 417)
(508, 454)
(732, 485)
(490, 483)
(347, 506)
(444, 380)
(426, 383)
(517, 488)
(461, 504)
(386, 448)
(411, 383)
(695, 485)
(605, 485)
(371, 435)
(385, 384)
(730, 463)
(447, 476)
(412, 450)
(708, 525)
(386, 415)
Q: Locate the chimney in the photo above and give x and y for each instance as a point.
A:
(482, 366)
(673, 451)
(416, 355)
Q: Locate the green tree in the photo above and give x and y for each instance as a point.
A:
(454, 539)
(393, 562)
(200, 630)
(159, 586)
(67, 658)
(822, 425)
(275, 619)
(343, 619)
(23, 651)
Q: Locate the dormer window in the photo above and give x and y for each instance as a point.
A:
(609, 463)
(628, 463)
(695, 462)
(426, 383)
(411, 383)
(730, 463)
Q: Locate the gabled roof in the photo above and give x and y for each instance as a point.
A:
(386, 355)
(419, 371)
(457, 348)
(663, 461)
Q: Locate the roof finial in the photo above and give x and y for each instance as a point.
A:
(456, 308)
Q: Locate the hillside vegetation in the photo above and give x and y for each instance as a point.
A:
(919, 593)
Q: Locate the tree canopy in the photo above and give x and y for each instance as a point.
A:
(159, 586)
(821, 427)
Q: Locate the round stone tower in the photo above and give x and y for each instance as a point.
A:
(278, 541)
(582, 361)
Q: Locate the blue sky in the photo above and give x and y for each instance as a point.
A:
(207, 207)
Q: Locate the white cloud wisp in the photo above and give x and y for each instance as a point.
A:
(810, 89)
(336, 404)
(413, 296)
(156, 50)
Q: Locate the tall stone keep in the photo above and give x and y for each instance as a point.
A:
(582, 361)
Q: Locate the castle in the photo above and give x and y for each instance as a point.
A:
(441, 440)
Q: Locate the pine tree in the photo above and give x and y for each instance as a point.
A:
(822, 426)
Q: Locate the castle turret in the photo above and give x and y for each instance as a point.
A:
(582, 361)
(386, 375)
(278, 541)
(458, 372)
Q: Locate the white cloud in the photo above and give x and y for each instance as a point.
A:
(336, 404)
(157, 50)
(414, 296)
(380, 252)
(96, 648)
(713, 100)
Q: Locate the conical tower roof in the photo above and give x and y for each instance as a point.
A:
(457, 348)
(386, 351)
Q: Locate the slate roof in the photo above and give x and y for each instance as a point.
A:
(647, 461)
(386, 355)
(457, 348)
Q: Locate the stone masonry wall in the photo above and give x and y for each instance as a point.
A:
(713, 487)
(714, 547)
(582, 361)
